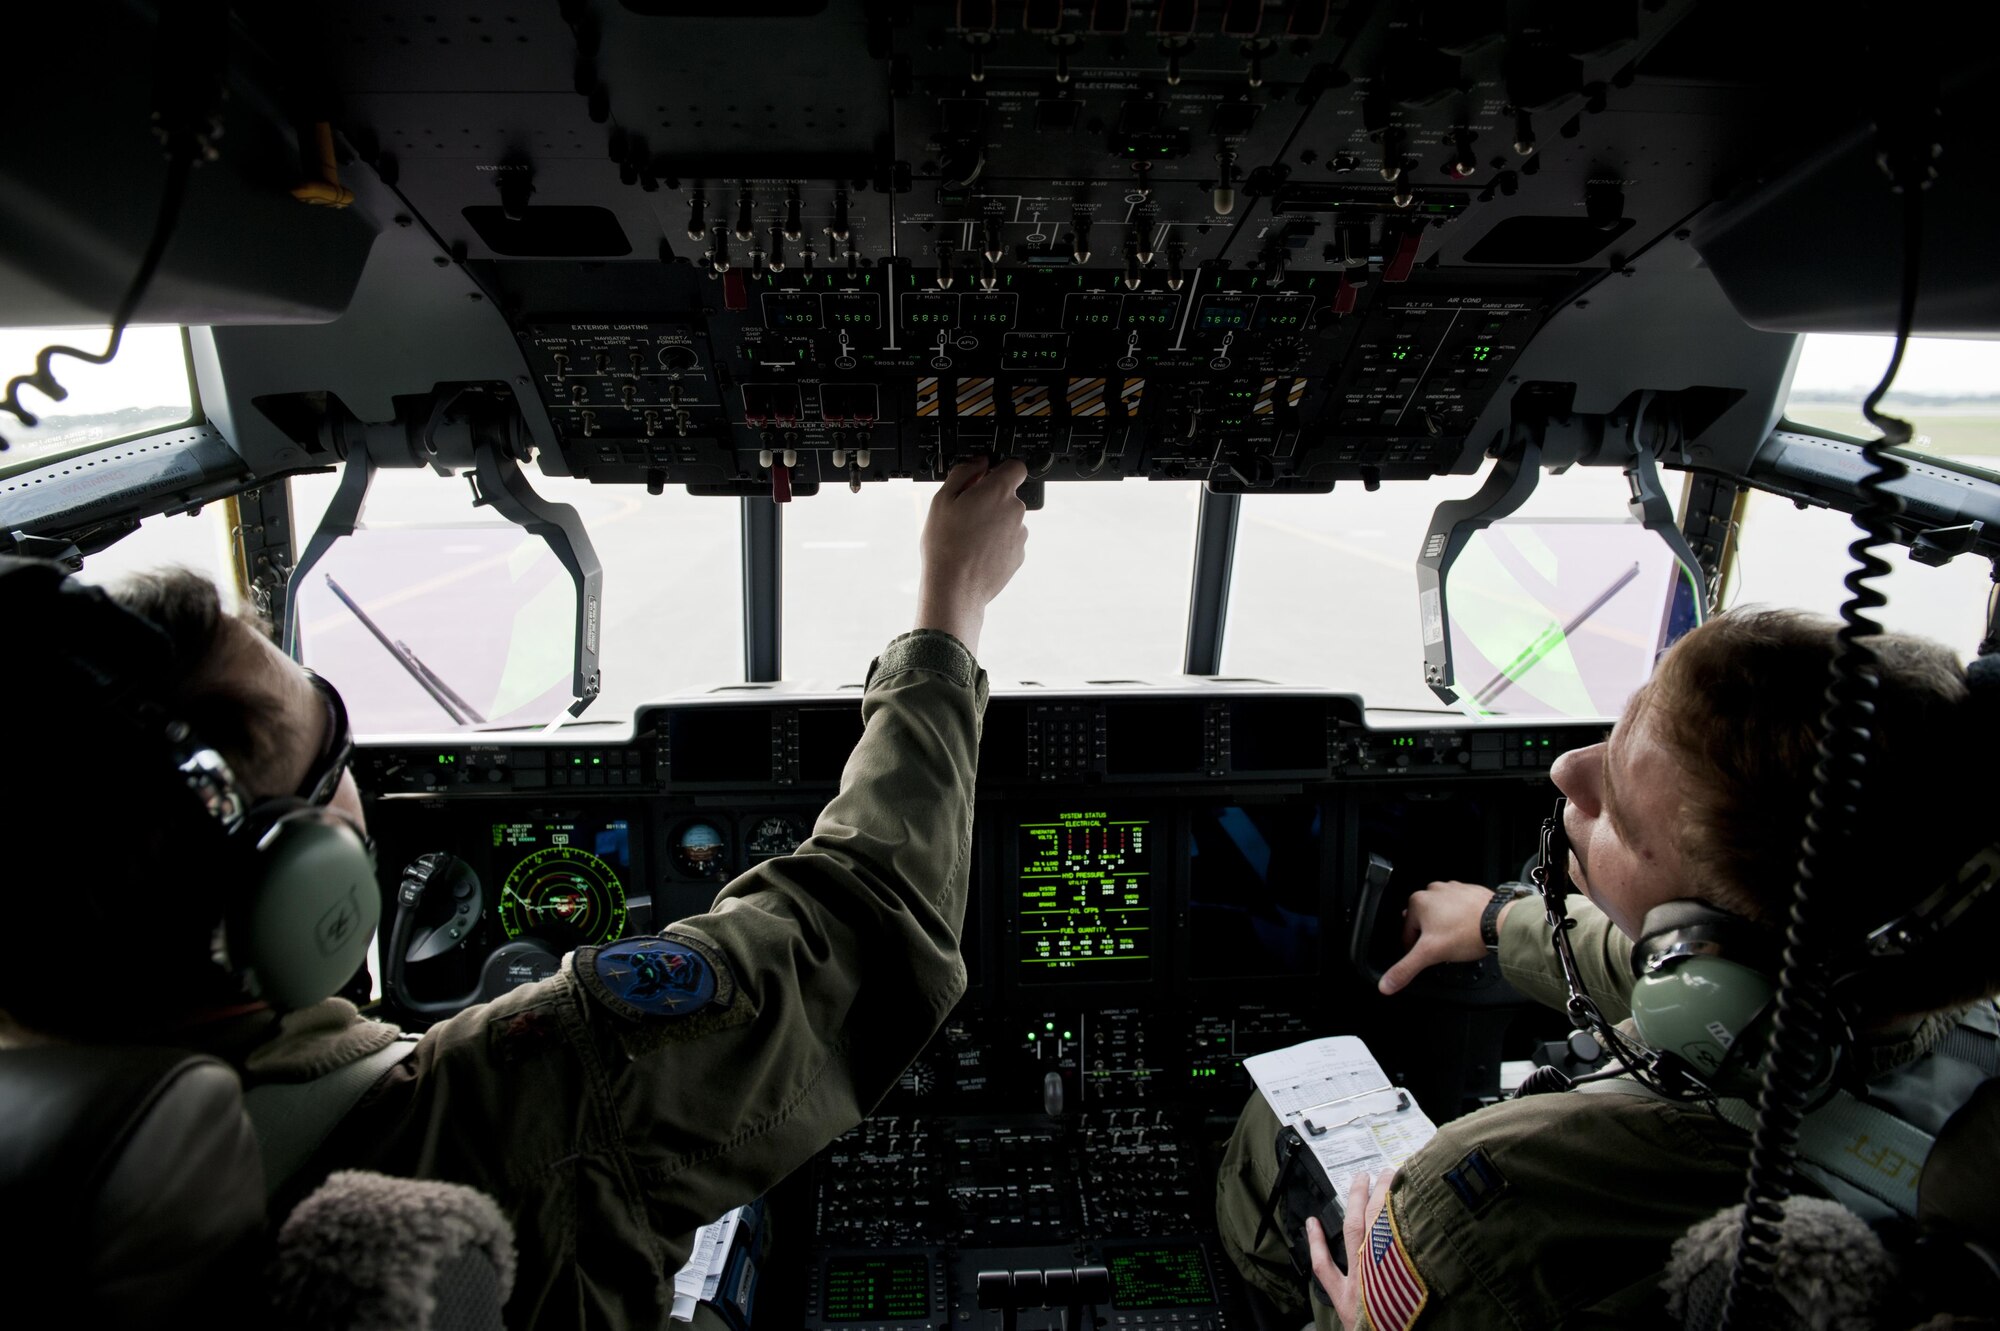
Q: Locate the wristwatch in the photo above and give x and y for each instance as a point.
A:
(1489, 919)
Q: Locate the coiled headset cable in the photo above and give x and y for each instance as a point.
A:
(186, 122)
(1803, 1008)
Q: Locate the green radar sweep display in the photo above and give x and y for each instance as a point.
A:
(563, 891)
(1086, 896)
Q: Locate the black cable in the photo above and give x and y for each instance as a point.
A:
(1803, 1015)
(43, 378)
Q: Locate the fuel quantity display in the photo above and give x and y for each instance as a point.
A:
(1086, 897)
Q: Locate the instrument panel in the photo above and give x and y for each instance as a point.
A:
(1162, 886)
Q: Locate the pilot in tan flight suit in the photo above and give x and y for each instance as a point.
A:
(1560, 1209)
(657, 1082)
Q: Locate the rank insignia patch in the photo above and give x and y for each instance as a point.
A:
(1476, 1181)
(657, 977)
(1392, 1293)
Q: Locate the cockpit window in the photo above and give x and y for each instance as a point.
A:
(435, 616)
(1103, 595)
(1324, 594)
(145, 387)
(1948, 388)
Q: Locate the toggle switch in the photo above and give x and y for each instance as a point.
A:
(1224, 196)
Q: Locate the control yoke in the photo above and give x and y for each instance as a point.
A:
(1545, 434)
(466, 429)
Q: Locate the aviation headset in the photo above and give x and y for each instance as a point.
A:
(1705, 978)
(299, 901)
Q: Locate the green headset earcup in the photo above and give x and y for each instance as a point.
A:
(300, 928)
(1703, 978)
(1699, 1007)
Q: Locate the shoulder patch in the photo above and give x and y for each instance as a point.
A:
(1392, 1291)
(657, 977)
(1476, 1181)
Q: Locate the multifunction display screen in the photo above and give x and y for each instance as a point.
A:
(1170, 1276)
(562, 880)
(1085, 897)
(876, 1289)
(1254, 877)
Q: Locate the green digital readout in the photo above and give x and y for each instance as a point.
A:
(790, 310)
(1168, 1276)
(853, 309)
(1152, 310)
(1090, 310)
(1085, 897)
(1034, 351)
(990, 311)
(928, 309)
(1219, 314)
(1480, 353)
(1283, 314)
(876, 1289)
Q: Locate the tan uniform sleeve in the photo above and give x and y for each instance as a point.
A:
(608, 1134)
(1603, 956)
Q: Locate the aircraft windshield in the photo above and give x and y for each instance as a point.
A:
(487, 611)
(1322, 592)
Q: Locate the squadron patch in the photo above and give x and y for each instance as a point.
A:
(658, 977)
(1392, 1293)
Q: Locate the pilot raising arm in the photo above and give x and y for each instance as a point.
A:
(657, 1082)
(649, 1086)
(1561, 1209)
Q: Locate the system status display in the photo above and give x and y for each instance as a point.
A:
(876, 1289)
(1086, 888)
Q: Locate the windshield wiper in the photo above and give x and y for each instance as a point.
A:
(458, 709)
(1548, 640)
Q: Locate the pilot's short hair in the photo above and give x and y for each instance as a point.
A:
(1739, 702)
(246, 728)
(120, 884)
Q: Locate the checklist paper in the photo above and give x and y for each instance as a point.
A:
(702, 1276)
(1343, 1105)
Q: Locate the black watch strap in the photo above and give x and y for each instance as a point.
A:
(1489, 919)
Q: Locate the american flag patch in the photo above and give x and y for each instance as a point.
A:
(1392, 1293)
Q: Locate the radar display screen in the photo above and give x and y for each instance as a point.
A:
(562, 883)
(1086, 896)
(1254, 878)
(876, 1289)
(1170, 1276)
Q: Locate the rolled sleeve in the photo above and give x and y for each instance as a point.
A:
(1603, 956)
